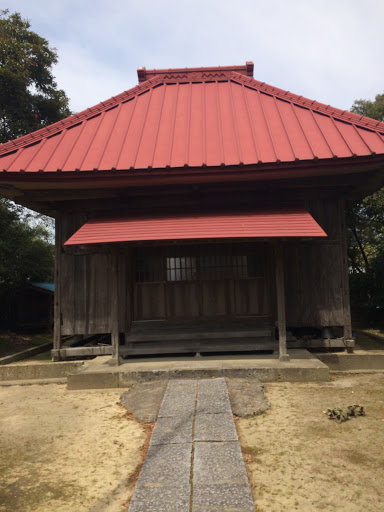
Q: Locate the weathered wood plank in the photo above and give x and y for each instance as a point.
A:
(198, 335)
(82, 351)
(115, 331)
(193, 347)
(57, 295)
(282, 326)
(345, 278)
(321, 343)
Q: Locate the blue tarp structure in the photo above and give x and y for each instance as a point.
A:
(48, 287)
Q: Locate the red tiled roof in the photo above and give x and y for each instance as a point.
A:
(194, 118)
(295, 222)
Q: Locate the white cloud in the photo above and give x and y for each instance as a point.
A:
(329, 50)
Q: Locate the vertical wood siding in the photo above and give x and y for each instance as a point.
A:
(313, 284)
(313, 271)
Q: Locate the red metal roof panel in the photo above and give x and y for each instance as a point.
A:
(294, 222)
(190, 118)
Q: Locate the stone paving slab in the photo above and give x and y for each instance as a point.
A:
(206, 404)
(223, 498)
(182, 386)
(215, 427)
(213, 397)
(173, 430)
(161, 499)
(179, 399)
(209, 386)
(218, 464)
(178, 405)
(166, 466)
(219, 477)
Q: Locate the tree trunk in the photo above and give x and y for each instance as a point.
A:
(354, 231)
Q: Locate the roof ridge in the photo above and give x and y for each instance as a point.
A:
(343, 115)
(70, 121)
(145, 74)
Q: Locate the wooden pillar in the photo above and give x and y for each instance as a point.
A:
(57, 294)
(345, 277)
(114, 319)
(129, 284)
(280, 295)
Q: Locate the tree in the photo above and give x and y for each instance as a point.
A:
(368, 108)
(29, 97)
(365, 223)
(29, 100)
(25, 251)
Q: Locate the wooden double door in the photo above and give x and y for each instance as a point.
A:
(201, 281)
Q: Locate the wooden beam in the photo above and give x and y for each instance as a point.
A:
(57, 296)
(280, 294)
(192, 347)
(192, 335)
(322, 343)
(81, 351)
(10, 192)
(69, 195)
(114, 320)
(345, 277)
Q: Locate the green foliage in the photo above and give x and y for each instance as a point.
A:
(29, 98)
(25, 251)
(365, 222)
(373, 109)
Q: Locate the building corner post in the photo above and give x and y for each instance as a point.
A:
(280, 294)
(347, 321)
(114, 319)
(57, 292)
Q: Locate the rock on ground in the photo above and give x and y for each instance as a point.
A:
(144, 399)
(247, 397)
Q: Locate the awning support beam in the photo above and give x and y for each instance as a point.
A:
(280, 294)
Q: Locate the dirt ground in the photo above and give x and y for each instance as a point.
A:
(298, 459)
(79, 451)
(66, 451)
(11, 342)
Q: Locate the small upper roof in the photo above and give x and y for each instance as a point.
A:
(276, 223)
(198, 117)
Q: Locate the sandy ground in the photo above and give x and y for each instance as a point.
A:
(63, 451)
(298, 459)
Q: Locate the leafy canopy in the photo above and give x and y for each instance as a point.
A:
(29, 97)
(365, 221)
(368, 108)
(25, 251)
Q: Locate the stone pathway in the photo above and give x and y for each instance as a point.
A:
(194, 462)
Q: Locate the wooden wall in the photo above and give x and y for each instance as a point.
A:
(86, 285)
(314, 271)
(315, 285)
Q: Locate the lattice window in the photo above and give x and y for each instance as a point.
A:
(190, 263)
(181, 268)
(223, 266)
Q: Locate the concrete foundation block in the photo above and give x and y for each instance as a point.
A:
(38, 371)
(95, 380)
(260, 374)
(195, 373)
(345, 362)
(127, 379)
(304, 374)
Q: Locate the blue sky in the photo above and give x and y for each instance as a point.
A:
(327, 50)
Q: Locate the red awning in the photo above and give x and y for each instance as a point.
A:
(256, 224)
